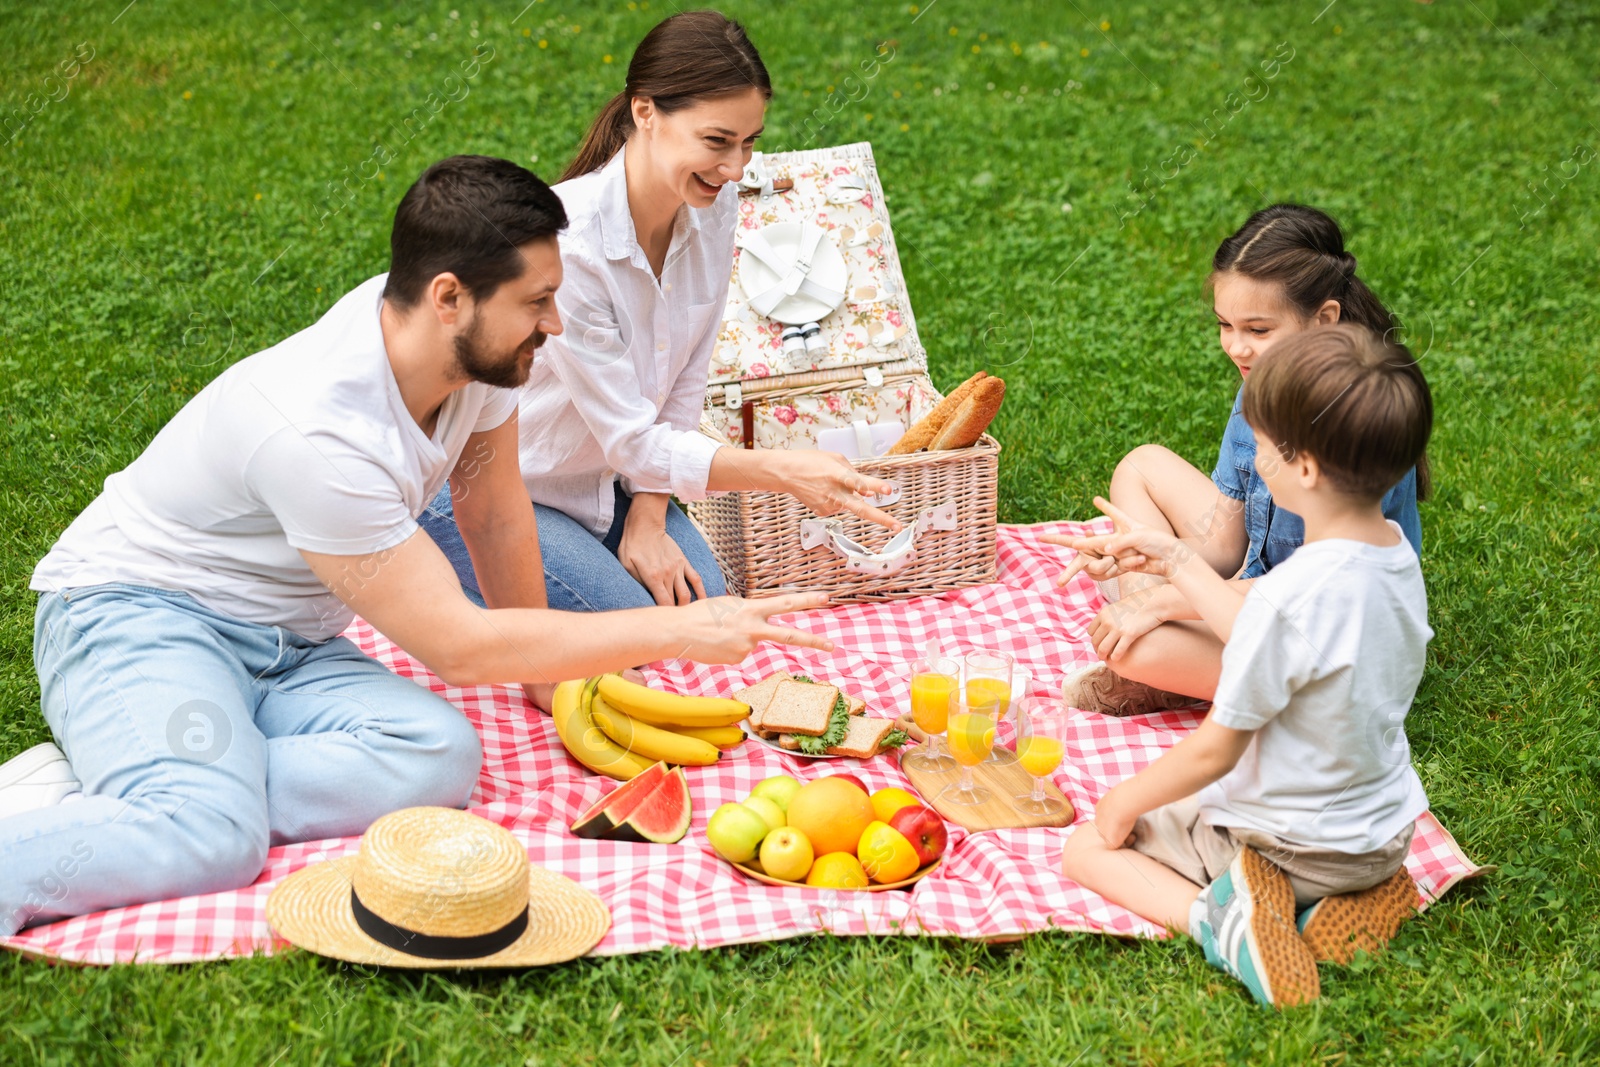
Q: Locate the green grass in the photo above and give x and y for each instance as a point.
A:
(167, 217)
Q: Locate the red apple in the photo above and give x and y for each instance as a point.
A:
(922, 826)
(853, 780)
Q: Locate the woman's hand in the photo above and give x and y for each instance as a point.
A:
(654, 559)
(825, 482)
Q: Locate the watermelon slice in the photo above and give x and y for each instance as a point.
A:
(662, 817)
(615, 806)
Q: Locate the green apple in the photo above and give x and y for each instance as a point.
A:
(769, 811)
(735, 831)
(780, 789)
(786, 854)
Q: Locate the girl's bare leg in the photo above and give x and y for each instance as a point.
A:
(1160, 488)
(1178, 657)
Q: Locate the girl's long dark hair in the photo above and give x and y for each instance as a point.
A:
(683, 59)
(1302, 250)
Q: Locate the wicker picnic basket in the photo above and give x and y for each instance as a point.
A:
(867, 366)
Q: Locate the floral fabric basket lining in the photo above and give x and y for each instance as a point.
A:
(865, 363)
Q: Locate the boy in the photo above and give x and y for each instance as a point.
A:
(1297, 789)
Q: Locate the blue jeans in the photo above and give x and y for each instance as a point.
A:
(581, 571)
(201, 740)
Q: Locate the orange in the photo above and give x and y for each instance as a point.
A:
(885, 854)
(831, 813)
(837, 870)
(885, 802)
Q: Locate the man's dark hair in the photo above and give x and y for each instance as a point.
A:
(467, 215)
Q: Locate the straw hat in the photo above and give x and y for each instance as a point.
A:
(434, 887)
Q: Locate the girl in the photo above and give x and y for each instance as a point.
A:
(609, 418)
(1284, 271)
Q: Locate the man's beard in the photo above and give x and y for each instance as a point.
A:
(476, 365)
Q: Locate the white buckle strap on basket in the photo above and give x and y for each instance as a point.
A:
(794, 272)
(899, 553)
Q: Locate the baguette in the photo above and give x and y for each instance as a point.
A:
(925, 429)
(972, 418)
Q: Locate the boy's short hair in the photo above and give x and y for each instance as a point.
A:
(467, 215)
(1354, 402)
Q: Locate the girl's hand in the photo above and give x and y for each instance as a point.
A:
(1123, 622)
(1113, 822)
(1132, 547)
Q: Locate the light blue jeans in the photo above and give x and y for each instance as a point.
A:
(581, 571)
(200, 741)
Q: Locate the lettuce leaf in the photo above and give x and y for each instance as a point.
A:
(838, 726)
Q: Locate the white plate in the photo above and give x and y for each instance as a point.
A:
(828, 270)
(744, 724)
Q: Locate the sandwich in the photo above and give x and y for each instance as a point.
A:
(807, 716)
(866, 736)
(802, 715)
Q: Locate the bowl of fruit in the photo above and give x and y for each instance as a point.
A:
(829, 833)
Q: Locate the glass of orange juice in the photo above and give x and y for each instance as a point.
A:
(988, 679)
(971, 736)
(934, 686)
(1041, 743)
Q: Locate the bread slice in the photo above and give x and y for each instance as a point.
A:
(759, 695)
(800, 708)
(856, 704)
(789, 741)
(925, 429)
(866, 734)
(972, 417)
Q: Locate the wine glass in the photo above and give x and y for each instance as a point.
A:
(971, 737)
(1041, 743)
(988, 679)
(934, 684)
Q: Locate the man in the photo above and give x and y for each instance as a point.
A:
(186, 639)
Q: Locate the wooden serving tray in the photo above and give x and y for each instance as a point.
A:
(1005, 780)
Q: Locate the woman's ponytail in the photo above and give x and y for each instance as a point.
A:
(683, 59)
(606, 135)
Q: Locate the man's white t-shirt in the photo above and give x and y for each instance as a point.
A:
(1323, 662)
(307, 445)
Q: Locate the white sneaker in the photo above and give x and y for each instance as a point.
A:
(39, 778)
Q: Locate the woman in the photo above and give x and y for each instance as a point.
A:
(1285, 270)
(611, 412)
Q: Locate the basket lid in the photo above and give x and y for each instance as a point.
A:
(788, 249)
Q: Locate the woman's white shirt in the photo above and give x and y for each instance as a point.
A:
(619, 393)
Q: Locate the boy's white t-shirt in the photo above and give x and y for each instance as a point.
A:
(1323, 662)
(307, 445)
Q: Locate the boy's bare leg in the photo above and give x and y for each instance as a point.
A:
(1178, 657)
(1143, 885)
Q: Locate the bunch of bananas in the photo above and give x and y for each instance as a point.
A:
(618, 728)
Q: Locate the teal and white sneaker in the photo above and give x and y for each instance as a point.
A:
(1245, 923)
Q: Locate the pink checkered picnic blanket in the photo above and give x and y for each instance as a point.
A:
(991, 884)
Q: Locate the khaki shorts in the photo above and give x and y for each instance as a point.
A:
(1174, 836)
